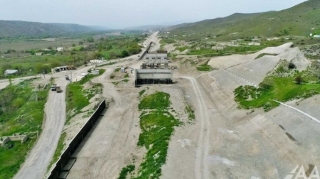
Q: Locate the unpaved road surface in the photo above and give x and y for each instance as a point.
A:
(38, 160)
(40, 156)
(201, 164)
(222, 142)
(5, 83)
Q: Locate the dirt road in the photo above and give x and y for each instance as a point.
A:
(222, 142)
(201, 164)
(40, 156)
(37, 161)
(5, 83)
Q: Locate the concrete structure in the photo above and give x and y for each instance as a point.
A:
(14, 137)
(153, 76)
(156, 56)
(97, 61)
(154, 70)
(10, 72)
(62, 68)
(60, 49)
(58, 69)
(155, 61)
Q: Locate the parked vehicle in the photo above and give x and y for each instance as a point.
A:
(54, 87)
(58, 89)
(67, 77)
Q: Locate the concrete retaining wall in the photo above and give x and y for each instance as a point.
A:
(146, 51)
(74, 144)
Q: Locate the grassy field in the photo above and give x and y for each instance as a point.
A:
(12, 158)
(20, 55)
(20, 113)
(159, 101)
(276, 88)
(157, 125)
(295, 21)
(78, 98)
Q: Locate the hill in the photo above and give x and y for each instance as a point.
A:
(36, 29)
(299, 20)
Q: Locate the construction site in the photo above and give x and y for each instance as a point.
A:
(213, 138)
(154, 70)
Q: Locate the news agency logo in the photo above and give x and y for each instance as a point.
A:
(300, 173)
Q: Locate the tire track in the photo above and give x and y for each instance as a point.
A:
(201, 163)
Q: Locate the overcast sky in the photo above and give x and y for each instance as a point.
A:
(131, 13)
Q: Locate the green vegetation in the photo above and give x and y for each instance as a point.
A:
(58, 151)
(117, 47)
(276, 88)
(141, 92)
(107, 64)
(36, 29)
(264, 54)
(159, 100)
(125, 171)
(189, 110)
(12, 157)
(21, 111)
(21, 108)
(295, 21)
(167, 41)
(157, 126)
(77, 98)
(204, 67)
(183, 48)
(23, 55)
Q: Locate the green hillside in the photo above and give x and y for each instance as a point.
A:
(36, 29)
(298, 20)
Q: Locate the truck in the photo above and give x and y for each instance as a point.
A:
(53, 87)
(58, 89)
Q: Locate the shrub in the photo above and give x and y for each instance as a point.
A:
(298, 80)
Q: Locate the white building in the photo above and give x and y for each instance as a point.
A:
(10, 72)
(60, 49)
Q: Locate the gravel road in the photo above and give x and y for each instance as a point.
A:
(201, 165)
(38, 160)
(40, 156)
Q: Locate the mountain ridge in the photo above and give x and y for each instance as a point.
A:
(9, 28)
(297, 20)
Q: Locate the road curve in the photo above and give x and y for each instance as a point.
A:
(40, 156)
(201, 163)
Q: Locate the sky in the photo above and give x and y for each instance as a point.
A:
(132, 13)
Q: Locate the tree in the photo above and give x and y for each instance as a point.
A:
(80, 43)
(124, 53)
(298, 79)
(90, 39)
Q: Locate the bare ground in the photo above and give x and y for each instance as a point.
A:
(222, 142)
